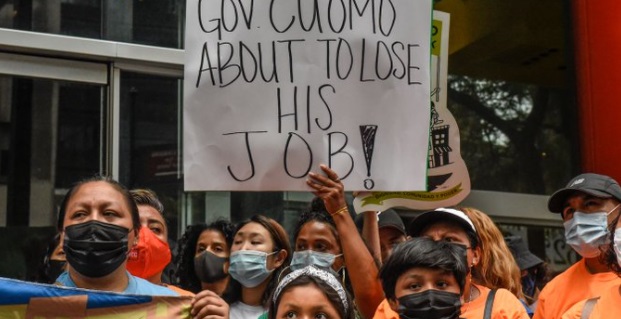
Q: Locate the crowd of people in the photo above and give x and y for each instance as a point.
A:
(447, 263)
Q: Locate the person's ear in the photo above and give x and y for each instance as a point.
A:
(393, 303)
(476, 256)
(281, 256)
(225, 267)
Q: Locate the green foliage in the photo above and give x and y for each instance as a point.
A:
(514, 137)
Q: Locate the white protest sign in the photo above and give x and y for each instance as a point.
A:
(274, 88)
(448, 178)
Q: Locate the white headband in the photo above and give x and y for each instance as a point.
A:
(320, 274)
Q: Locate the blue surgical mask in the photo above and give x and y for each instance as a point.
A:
(305, 258)
(249, 267)
(585, 233)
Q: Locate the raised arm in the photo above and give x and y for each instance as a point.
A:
(362, 269)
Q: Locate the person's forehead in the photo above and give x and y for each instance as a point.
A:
(98, 190)
(316, 229)
(149, 214)
(253, 229)
(211, 236)
(583, 196)
(424, 272)
(445, 226)
(387, 232)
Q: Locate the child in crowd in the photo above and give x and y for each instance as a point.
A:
(424, 278)
(310, 292)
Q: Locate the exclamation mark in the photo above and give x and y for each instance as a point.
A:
(367, 133)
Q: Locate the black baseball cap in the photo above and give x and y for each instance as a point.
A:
(390, 218)
(385, 218)
(597, 185)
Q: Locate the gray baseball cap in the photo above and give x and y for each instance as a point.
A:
(593, 184)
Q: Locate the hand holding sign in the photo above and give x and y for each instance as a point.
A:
(329, 188)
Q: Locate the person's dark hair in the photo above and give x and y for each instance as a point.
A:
(133, 209)
(184, 275)
(317, 213)
(608, 255)
(281, 241)
(330, 293)
(145, 196)
(422, 252)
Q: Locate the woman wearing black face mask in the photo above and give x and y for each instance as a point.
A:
(203, 257)
(425, 279)
(53, 263)
(99, 222)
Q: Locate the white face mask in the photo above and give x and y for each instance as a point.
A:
(585, 233)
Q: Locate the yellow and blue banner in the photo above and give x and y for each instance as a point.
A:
(26, 300)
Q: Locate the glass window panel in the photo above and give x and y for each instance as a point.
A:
(50, 137)
(158, 23)
(149, 139)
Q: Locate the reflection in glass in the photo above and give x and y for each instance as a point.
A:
(157, 23)
(51, 137)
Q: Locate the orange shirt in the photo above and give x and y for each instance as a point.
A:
(607, 307)
(506, 306)
(573, 285)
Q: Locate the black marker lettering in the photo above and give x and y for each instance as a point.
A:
(327, 41)
(331, 13)
(226, 65)
(205, 57)
(339, 151)
(392, 19)
(377, 60)
(274, 24)
(247, 15)
(410, 66)
(363, 62)
(361, 13)
(316, 17)
(200, 21)
(244, 48)
(286, 155)
(274, 75)
(338, 58)
(222, 15)
(321, 88)
(250, 158)
(400, 60)
(294, 113)
(289, 42)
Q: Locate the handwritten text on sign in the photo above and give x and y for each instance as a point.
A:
(274, 88)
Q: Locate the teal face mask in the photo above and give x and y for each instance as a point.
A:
(305, 258)
(249, 267)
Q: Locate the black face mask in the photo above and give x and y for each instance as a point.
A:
(209, 268)
(95, 249)
(53, 269)
(529, 284)
(430, 304)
